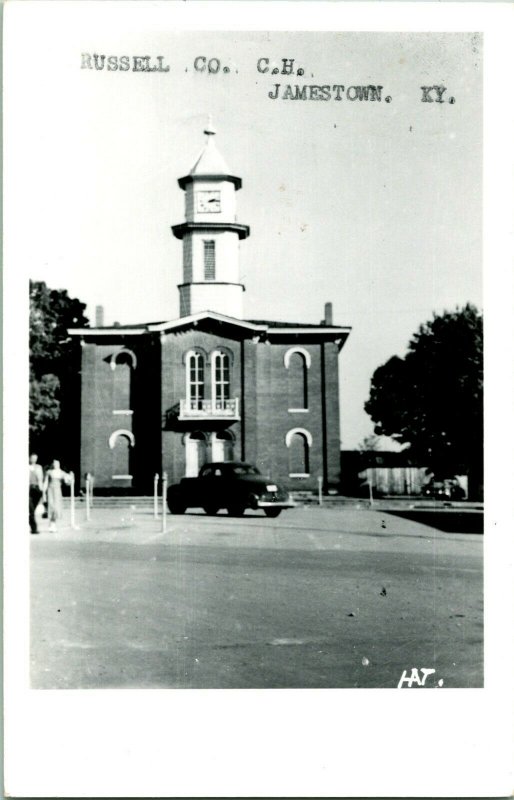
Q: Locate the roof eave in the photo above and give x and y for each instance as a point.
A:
(191, 319)
(182, 182)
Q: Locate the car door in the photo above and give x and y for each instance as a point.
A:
(211, 485)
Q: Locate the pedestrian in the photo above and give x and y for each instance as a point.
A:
(54, 479)
(35, 490)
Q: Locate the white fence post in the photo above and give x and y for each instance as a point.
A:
(88, 499)
(164, 488)
(72, 501)
(320, 490)
(156, 496)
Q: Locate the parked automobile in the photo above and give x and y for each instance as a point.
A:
(448, 489)
(233, 485)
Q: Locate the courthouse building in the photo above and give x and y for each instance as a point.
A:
(210, 385)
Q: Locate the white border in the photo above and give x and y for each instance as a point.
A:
(280, 743)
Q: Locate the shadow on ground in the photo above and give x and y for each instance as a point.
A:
(446, 521)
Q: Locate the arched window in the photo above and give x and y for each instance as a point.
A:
(220, 379)
(195, 364)
(122, 364)
(297, 385)
(121, 442)
(299, 442)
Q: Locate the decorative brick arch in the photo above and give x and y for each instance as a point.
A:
(302, 351)
(302, 431)
(121, 432)
(124, 352)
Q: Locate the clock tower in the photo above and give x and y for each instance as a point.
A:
(210, 236)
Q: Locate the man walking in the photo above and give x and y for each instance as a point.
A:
(35, 490)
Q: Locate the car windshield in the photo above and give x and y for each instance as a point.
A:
(245, 469)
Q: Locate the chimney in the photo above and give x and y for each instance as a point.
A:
(99, 315)
(328, 314)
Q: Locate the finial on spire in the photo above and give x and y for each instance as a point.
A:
(209, 130)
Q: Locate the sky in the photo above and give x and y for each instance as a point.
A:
(373, 206)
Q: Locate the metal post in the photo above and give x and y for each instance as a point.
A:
(156, 496)
(88, 510)
(91, 489)
(320, 490)
(370, 484)
(164, 488)
(72, 501)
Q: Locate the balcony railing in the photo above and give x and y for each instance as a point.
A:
(209, 409)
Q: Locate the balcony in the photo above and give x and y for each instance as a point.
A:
(209, 410)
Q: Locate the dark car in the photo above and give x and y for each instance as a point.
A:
(233, 485)
(448, 489)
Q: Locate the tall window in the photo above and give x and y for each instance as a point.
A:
(196, 380)
(299, 442)
(122, 364)
(209, 260)
(297, 382)
(221, 375)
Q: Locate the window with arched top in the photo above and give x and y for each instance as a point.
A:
(220, 366)
(297, 383)
(121, 443)
(122, 364)
(195, 365)
(299, 442)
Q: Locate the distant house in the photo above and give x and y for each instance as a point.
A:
(210, 385)
(390, 473)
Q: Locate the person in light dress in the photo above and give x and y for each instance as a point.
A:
(54, 479)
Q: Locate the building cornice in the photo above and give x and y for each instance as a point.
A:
(113, 331)
(182, 182)
(211, 283)
(243, 231)
(260, 331)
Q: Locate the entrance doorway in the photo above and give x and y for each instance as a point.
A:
(196, 453)
(222, 446)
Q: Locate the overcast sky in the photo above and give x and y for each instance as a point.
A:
(374, 206)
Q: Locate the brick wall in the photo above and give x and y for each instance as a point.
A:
(266, 433)
(141, 396)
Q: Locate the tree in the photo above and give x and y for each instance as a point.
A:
(432, 399)
(53, 370)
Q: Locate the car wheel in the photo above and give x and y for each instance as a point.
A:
(211, 510)
(236, 510)
(253, 502)
(176, 508)
(272, 512)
